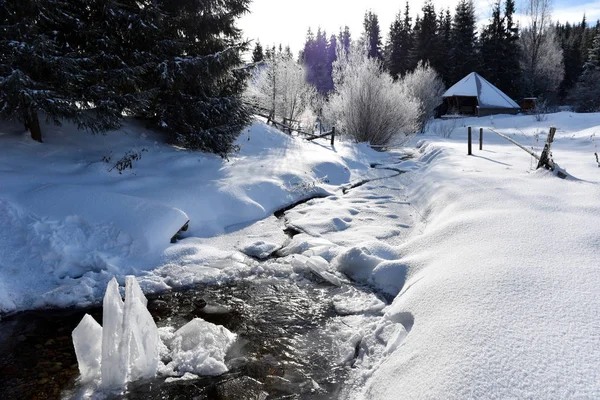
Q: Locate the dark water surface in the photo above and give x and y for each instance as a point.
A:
(283, 349)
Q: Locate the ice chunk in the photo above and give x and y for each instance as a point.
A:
(114, 351)
(199, 347)
(141, 333)
(319, 266)
(87, 340)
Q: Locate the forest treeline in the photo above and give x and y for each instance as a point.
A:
(178, 64)
(541, 59)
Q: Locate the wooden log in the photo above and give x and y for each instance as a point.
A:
(469, 152)
(529, 151)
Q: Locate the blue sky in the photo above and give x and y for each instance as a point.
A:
(286, 21)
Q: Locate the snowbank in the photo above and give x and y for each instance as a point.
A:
(68, 223)
(499, 284)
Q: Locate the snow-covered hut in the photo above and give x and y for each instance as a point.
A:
(473, 95)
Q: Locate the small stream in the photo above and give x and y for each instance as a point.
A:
(283, 351)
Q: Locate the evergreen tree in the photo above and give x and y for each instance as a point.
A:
(393, 49)
(198, 81)
(463, 56)
(500, 50)
(316, 58)
(586, 94)
(345, 39)
(510, 75)
(257, 53)
(445, 40)
(426, 41)
(372, 35)
(406, 41)
(48, 67)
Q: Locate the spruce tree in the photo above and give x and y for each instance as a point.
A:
(345, 39)
(500, 50)
(510, 75)
(445, 40)
(198, 80)
(463, 55)
(372, 35)
(586, 94)
(393, 48)
(45, 71)
(257, 53)
(426, 43)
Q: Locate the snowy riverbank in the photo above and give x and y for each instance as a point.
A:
(492, 264)
(68, 224)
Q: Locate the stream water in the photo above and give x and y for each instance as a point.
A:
(284, 348)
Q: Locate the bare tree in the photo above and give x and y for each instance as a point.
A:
(280, 86)
(542, 56)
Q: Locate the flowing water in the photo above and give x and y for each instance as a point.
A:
(284, 348)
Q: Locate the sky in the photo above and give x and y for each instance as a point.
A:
(286, 22)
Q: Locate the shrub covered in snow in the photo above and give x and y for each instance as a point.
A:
(367, 104)
(425, 85)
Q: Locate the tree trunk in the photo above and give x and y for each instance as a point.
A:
(33, 123)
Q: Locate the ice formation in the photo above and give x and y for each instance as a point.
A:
(126, 347)
(199, 347)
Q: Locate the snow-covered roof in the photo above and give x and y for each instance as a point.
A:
(488, 95)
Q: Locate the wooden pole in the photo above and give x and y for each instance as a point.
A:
(332, 135)
(480, 138)
(546, 157)
(469, 151)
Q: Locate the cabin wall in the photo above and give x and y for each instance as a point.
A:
(484, 112)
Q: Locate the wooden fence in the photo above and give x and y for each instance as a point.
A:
(544, 160)
(288, 128)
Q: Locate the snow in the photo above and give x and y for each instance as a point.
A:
(488, 95)
(499, 298)
(491, 264)
(68, 225)
(199, 347)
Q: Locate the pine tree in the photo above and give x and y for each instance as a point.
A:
(393, 49)
(198, 81)
(510, 75)
(316, 59)
(500, 50)
(586, 94)
(257, 53)
(426, 40)
(345, 39)
(463, 56)
(372, 35)
(44, 69)
(445, 40)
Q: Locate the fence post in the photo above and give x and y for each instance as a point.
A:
(469, 152)
(480, 138)
(332, 135)
(546, 157)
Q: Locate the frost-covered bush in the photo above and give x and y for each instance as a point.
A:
(367, 104)
(280, 86)
(425, 85)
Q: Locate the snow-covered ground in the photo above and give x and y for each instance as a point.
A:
(68, 224)
(492, 265)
